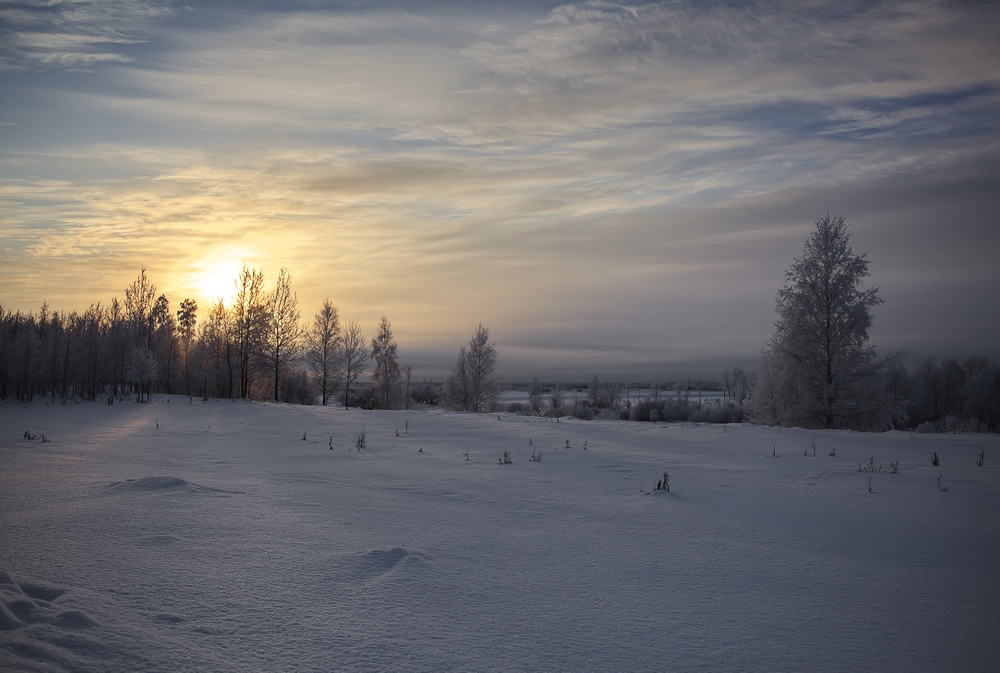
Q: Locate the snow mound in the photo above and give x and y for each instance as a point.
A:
(164, 484)
(375, 563)
(74, 619)
(159, 483)
(8, 622)
(42, 592)
(40, 634)
(31, 603)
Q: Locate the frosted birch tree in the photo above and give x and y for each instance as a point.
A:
(353, 359)
(323, 343)
(248, 320)
(385, 374)
(818, 370)
(283, 332)
(473, 384)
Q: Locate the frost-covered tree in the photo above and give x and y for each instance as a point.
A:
(248, 320)
(323, 344)
(187, 320)
(385, 373)
(818, 369)
(535, 401)
(140, 300)
(473, 384)
(217, 358)
(282, 332)
(456, 388)
(354, 358)
(484, 382)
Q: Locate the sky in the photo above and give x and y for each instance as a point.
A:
(612, 189)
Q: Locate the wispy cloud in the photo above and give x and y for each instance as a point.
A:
(593, 164)
(72, 34)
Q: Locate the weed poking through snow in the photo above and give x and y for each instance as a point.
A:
(505, 458)
(870, 467)
(359, 442)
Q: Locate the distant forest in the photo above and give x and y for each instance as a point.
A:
(259, 348)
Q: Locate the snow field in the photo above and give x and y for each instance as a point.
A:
(223, 541)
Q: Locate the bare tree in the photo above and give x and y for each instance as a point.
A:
(164, 341)
(139, 300)
(95, 326)
(473, 384)
(187, 320)
(354, 358)
(385, 374)
(142, 368)
(456, 387)
(283, 332)
(323, 344)
(118, 337)
(484, 382)
(818, 369)
(535, 401)
(249, 320)
(217, 353)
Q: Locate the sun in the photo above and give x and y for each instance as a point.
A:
(215, 278)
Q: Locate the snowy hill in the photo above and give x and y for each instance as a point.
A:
(222, 540)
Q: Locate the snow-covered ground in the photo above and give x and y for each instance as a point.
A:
(224, 541)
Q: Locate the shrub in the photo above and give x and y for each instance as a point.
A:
(956, 424)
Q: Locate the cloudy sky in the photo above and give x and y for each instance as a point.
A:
(611, 188)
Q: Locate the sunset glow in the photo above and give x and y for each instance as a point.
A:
(607, 187)
(215, 278)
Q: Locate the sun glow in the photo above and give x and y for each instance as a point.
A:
(215, 277)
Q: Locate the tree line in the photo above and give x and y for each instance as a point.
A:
(818, 369)
(254, 348)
